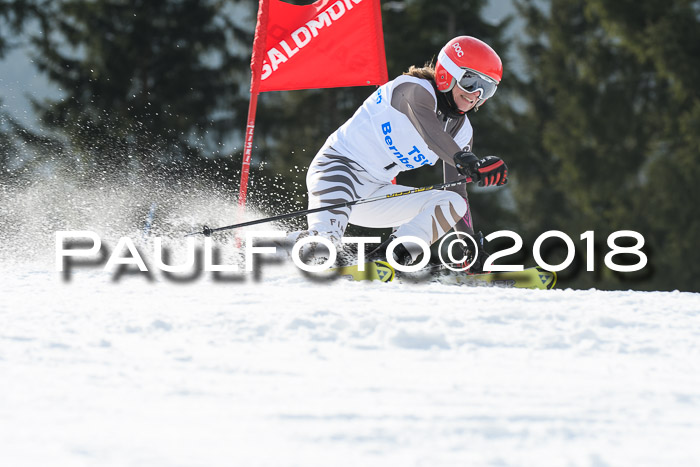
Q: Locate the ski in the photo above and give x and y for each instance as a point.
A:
(529, 278)
(373, 271)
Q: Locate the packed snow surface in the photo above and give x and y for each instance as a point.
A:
(283, 371)
(127, 370)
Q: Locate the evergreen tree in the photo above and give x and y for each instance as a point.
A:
(147, 82)
(14, 17)
(602, 129)
(665, 37)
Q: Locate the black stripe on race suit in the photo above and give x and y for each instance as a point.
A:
(343, 160)
(344, 169)
(342, 180)
(333, 189)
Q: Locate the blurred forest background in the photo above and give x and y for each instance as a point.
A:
(598, 114)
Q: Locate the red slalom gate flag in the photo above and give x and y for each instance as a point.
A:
(330, 43)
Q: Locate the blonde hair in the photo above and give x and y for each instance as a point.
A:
(425, 72)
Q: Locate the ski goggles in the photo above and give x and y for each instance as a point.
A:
(473, 81)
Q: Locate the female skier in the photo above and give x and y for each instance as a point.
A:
(412, 121)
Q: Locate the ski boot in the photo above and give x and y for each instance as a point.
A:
(400, 254)
(477, 266)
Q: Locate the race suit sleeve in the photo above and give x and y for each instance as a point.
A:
(416, 102)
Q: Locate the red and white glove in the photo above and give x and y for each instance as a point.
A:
(489, 171)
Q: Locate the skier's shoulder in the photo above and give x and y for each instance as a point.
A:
(415, 90)
(417, 85)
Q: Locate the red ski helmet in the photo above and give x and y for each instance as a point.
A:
(469, 63)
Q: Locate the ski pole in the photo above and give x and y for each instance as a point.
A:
(206, 231)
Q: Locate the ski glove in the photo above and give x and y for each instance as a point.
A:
(490, 170)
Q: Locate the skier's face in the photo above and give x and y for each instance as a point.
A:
(465, 100)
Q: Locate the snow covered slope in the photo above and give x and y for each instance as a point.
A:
(287, 372)
(284, 372)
